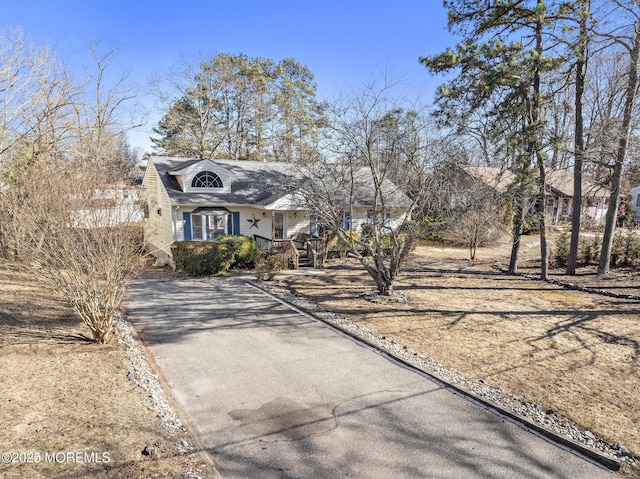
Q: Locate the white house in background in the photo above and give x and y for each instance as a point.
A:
(110, 205)
(191, 199)
(635, 203)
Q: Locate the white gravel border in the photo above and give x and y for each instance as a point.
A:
(139, 371)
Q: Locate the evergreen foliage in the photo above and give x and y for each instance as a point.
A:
(239, 107)
(202, 258)
(245, 250)
(561, 251)
(626, 248)
(499, 65)
(590, 250)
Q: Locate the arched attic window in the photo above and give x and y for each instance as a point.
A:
(206, 179)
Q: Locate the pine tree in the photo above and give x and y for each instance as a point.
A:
(239, 107)
(500, 62)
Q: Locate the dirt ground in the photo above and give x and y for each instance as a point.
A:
(572, 352)
(68, 409)
(575, 353)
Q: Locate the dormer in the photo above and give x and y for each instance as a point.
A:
(204, 176)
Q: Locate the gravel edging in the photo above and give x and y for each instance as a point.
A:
(545, 423)
(139, 371)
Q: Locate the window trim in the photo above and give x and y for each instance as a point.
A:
(346, 220)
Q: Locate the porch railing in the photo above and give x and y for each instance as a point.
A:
(285, 247)
(291, 248)
(314, 251)
(264, 243)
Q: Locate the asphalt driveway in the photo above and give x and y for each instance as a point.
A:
(273, 394)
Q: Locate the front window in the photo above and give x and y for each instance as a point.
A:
(313, 225)
(206, 179)
(381, 219)
(209, 227)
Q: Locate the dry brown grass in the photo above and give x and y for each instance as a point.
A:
(62, 393)
(575, 353)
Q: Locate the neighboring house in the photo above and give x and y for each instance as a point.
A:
(635, 203)
(559, 194)
(188, 199)
(110, 206)
(559, 203)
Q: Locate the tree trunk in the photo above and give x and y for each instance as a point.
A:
(536, 149)
(518, 223)
(544, 251)
(385, 288)
(616, 181)
(576, 211)
(384, 284)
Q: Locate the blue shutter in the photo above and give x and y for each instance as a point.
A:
(346, 220)
(236, 223)
(186, 223)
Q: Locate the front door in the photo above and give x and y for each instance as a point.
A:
(278, 225)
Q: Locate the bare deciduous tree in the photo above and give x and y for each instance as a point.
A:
(376, 190)
(64, 210)
(477, 217)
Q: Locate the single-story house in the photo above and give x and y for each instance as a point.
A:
(559, 194)
(559, 202)
(201, 199)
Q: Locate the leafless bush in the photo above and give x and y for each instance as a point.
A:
(479, 225)
(63, 208)
(85, 253)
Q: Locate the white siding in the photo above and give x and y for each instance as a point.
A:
(264, 222)
(246, 213)
(360, 217)
(186, 175)
(298, 222)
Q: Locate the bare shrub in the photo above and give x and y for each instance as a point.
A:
(480, 225)
(64, 209)
(84, 241)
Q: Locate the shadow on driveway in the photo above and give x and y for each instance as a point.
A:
(273, 394)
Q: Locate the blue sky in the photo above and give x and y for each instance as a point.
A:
(344, 43)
